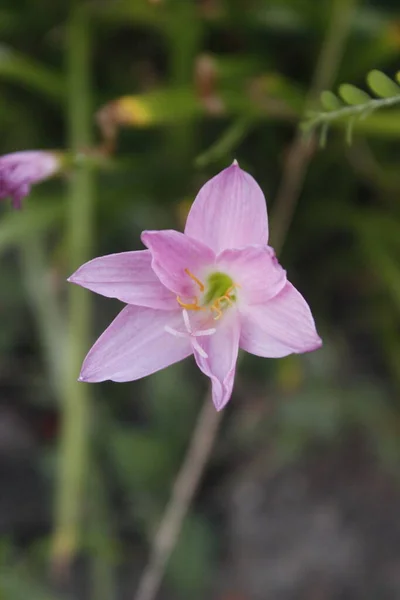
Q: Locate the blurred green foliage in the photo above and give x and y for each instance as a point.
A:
(218, 79)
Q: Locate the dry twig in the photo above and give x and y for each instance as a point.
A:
(183, 491)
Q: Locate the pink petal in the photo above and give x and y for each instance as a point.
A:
(127, 276)
(172, 253)
(282, 326)
(135, 345)
(256, 270)
(220, 363)
(20, 170)
(229, 212)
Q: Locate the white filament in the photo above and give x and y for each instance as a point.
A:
(193, 334)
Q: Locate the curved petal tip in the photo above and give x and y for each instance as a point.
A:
(229, 211)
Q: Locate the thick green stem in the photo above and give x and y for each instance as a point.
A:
(75, 397)
(184, 33)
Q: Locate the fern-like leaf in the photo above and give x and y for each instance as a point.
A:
(352, 104)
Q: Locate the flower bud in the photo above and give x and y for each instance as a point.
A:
(20, 170)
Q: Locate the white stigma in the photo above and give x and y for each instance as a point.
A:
(193, 334)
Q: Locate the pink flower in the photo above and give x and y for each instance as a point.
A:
(19, 170)
(207, 292)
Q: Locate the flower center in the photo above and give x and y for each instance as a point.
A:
(217, 294)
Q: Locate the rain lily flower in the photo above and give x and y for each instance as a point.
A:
(20, 170)
(209, 291)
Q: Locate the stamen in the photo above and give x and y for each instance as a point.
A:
(204, 332)
(227, 299)
(186, 320)
(189, 306)
(196, 280)
(232, 288)
(174, 332)
(199, 349)
(191, 333)
(217, 309)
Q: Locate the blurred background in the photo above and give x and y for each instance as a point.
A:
(299, 499)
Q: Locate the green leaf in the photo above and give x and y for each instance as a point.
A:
(31, 74)
(330, 101)
(382, 85)
(353, 95)
(397, 76)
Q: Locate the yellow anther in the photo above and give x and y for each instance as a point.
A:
(216, 309)
(196, 280)
(216, 306)
(226, 298)
(190, 306)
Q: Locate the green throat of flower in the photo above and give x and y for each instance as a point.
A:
(217, 294)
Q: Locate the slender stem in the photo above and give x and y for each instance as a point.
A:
(75, 396)
(357, 110)
(185, 486)
(228, 142)
(299, 155)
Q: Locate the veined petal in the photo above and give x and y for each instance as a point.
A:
(127, 276)
(229, 212)
(172, 253)
(282, 326)
(135, 345)
(218, 357)
(255, 270)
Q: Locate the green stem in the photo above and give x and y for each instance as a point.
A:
(228, 142)
(355, 111)
(75, 396)
(184, 31)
